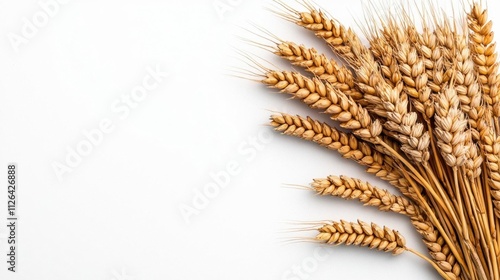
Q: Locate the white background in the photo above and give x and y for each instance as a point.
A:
(117, 214)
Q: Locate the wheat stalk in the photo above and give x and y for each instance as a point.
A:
(369, 235)
(354, 189)
(420, 107)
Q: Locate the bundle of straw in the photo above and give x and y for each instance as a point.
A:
(419, 107)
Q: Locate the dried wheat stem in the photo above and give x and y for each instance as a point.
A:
(436, 192)
(349, 188)
(479, 222)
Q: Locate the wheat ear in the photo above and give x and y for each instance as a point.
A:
(342, 41)
(467, 86)
(362, 234)
(346, 144)
(321, 95)
(355, 189)
(451, 128)
(383, 52)
(329, 70)
(437, 247)
(391, 104)
(349, 188)
(491, 148)
(485, 55)
(369, 235)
